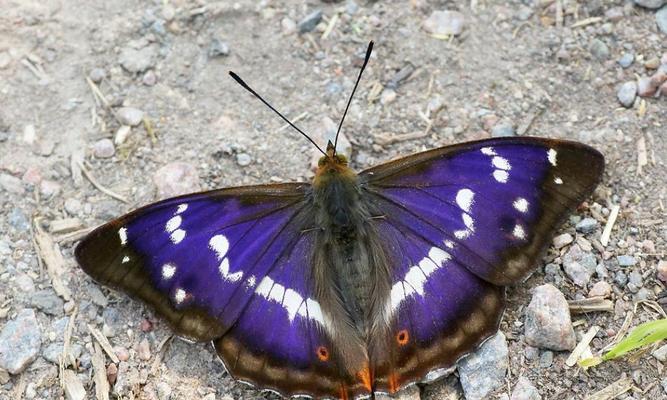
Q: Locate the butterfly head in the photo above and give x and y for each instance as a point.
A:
(331, 166)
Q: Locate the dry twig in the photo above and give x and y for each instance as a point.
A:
(104, 342)
(49, 252)
(99, 187)
(606, 233)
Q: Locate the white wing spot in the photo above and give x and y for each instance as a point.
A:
(220, 245)
(122, 234)
(462, 234)
(277, 292)
(519, 232)
(168, 271)
(181, 208)
(489, 151)
(501, 163)
(173, 224)
(224, 271)
(289, 299)
(551, 156)
(416, 277)
(558, 181)
(449, 244)
(264, 287)
(177, 236)
(252, 281)
(465, 199)
(125, 259)
(180, 295)
(292, 302)
(521, 204)
(500, 175)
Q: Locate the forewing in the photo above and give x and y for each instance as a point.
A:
(495, 204)
(458, 223)
(232, 266)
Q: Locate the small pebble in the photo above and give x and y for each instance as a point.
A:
(97, 74)
(484, 370)
(243, 159)
(104, 148)
(163, 391)
(627, 93)
(503, 129)
(144, 350)
(587, 225)
(444, 23)
(621, 279)
(562, 240)
(137, 60)
(600, 288)
(546, 359)
(661, 20)
(130, 116)
(121, 135)
(218, 48)
(660, 353)
(626, 60)
(651, 4)
(652, 63)
(11, 183)
(599, 49)
(176, 178)
(310, 21)
(32, 176)
(661, 270)
(288, 25)
(525, 390)
(20, 341)
(149, 79)
(548, 323)
(49, 188)
(626, 260)
(122, 353)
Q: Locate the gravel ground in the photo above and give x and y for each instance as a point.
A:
(134, 96)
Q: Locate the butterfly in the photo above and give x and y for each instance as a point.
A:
(355, 283)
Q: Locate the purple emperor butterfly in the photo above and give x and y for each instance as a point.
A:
(352, 284)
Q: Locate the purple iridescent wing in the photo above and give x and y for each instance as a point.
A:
(460, 222)
(230, 266)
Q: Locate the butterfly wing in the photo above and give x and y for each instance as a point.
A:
(459, 223)
(231, 266)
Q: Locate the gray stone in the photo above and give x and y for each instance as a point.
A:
(310, 21)
(601, 288)
(444, 23)
(484, 370)
(53, 351)
(626, 94)
(176, 178)
(661, 19)
(548, 324)
(626, 60)
(635, 281)
(104, 148)
(621, 279)
(20, 341)
(562, 240)
(660, 353)
(524, 390)
(49, 188)
(218, 48)
(112, 321)
(11, 184)
(97, 74)
(626, 260)
(5, 250)
(546, 359)
(18, 220)
(137, 60)
(663, 383)
(579, 265)
(351, 7)
(503, 129)
(243, 159)
(72, 206)
(130, 116)
(652, 4)
(599, 49)
(47, 301)
(163, 391)
(587, 225)
(643, 294)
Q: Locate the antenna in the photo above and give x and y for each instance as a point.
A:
(368, 56)
(248, 88)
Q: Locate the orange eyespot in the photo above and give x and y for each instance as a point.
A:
(323, 353)
(402, 337)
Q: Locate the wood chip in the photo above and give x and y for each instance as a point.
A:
(587, 21)
(593, 304)
(642, 155)
(49, 252)
(582, 346)
(606, 233)
(615, 389)
(330, 27)
(100, 376)
(65, 225)
(104, 342)
(74, 389)
(72, 236)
